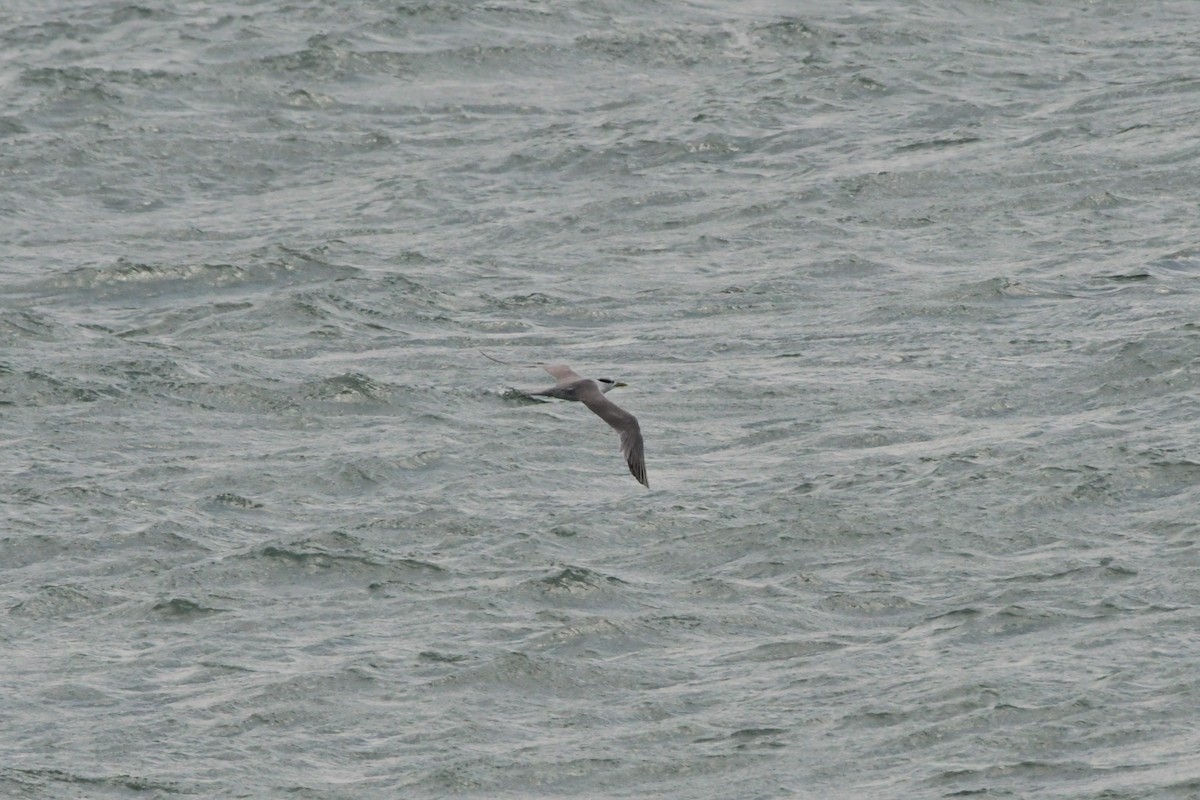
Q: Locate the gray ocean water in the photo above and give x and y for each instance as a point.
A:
(906, 296)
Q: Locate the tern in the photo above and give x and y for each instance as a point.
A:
(572, 386)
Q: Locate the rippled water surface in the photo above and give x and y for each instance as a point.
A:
(906, 298)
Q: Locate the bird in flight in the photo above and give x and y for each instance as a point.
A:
(572, 386)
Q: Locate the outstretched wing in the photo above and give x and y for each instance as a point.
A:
(562, 373)
(632, 446)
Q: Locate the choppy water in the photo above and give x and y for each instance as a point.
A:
(906, 294)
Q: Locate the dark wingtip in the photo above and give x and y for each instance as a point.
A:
(640, 475)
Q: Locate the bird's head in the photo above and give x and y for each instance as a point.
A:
(608, 383)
